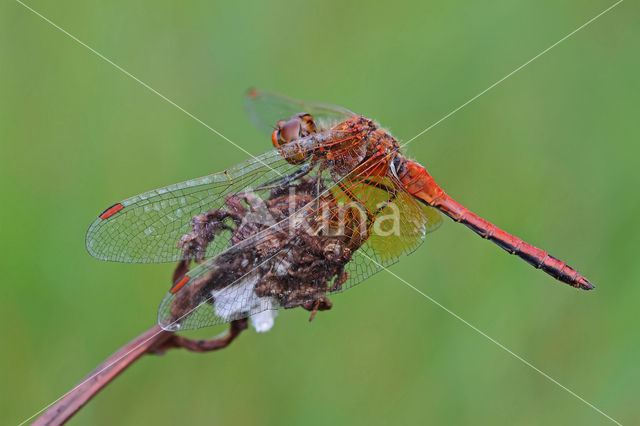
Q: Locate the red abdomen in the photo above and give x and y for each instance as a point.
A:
(421, 185)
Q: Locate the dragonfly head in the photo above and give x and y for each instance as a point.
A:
(298, 126)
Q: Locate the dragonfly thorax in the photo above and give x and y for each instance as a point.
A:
(369, 150)
(343, 148)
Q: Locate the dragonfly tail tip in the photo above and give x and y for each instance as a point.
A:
(585, 284)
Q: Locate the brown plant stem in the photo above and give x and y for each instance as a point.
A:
(153, 341)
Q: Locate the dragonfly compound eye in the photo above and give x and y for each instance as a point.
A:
(288, 131)
(291, 130)
(275, 136)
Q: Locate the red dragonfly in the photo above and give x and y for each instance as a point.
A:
(236, 262)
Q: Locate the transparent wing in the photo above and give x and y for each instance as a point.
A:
(213, 293)
(146, 228)
(265, 109)
(399, 229)
(297, 268)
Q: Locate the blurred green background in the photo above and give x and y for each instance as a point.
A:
(551, 154)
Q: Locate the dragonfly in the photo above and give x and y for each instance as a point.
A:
(237, 234)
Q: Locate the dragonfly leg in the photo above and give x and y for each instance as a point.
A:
(319, 184)
(283, 181)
